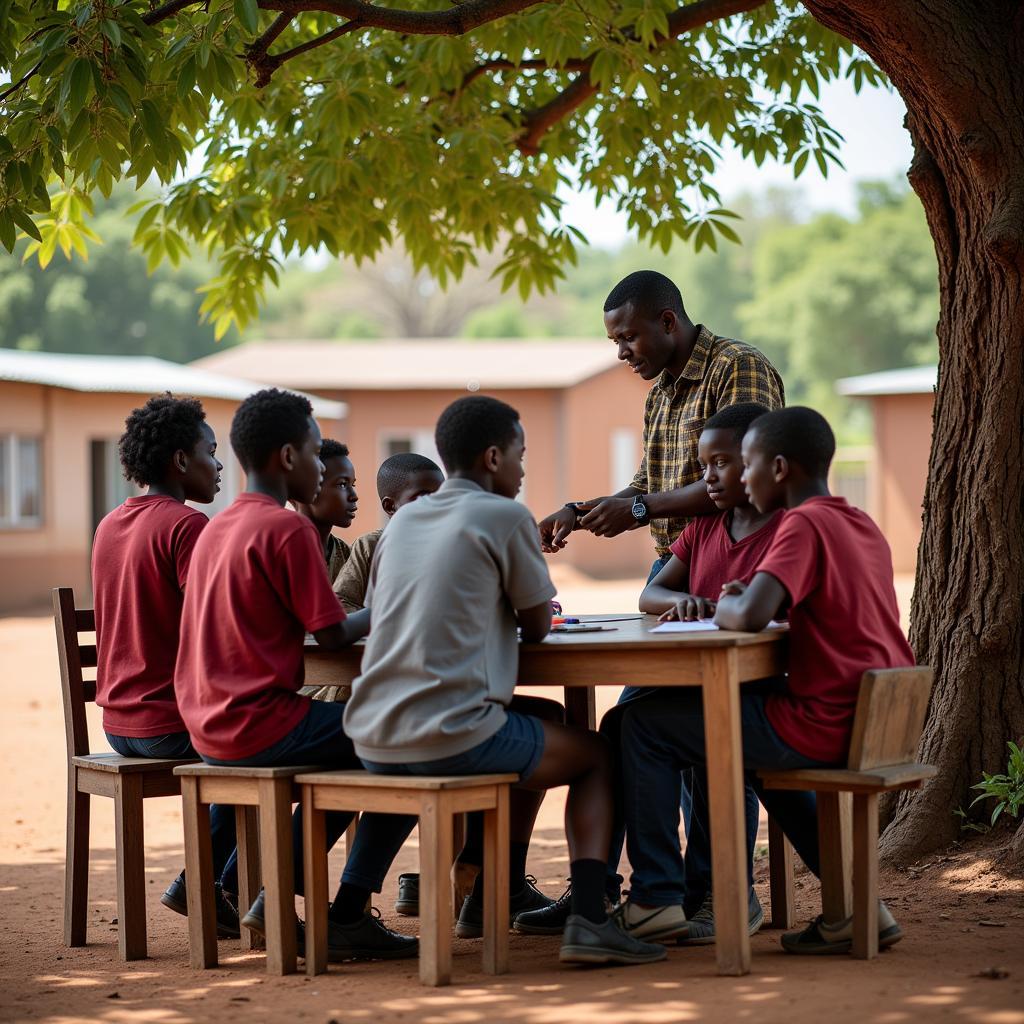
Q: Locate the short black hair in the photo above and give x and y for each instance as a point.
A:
(152, 434)
(470, 426)
(799, 434)
(330, 449)
(736, 418)
(265, 421)
(395, 472)
(649, 293)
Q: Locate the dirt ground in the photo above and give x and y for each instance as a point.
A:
(963, 918)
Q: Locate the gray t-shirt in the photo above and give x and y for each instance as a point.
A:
(442, 657)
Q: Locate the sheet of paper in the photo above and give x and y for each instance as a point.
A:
(701, 626)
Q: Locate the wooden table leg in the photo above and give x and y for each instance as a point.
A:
(580, 707)
(724, 753)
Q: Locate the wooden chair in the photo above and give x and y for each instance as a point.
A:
(127, 780)
(438, 801)
(886, 732)
(269, 794)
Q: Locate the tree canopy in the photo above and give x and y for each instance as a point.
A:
(277, 127)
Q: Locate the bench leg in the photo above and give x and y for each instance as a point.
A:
(76, 864)
(202, 913)
(834, 849)
(248, 841)
(496, 896)
(780, 873)
(350, 835)
(275, 797)
(130, 860)
(435, 890)
(314, 853)
(865, 875)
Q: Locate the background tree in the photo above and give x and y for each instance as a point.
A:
(350, 124)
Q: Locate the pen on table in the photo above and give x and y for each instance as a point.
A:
(563, 620)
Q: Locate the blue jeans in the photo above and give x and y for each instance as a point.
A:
(222, 819)
(319, 739)
(664, 734)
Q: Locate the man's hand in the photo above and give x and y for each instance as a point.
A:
(689, 608)
(555, 530)
(733, 588)
(608, 517)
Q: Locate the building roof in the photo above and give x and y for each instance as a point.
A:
(913, 380)
(135, 375)
(421, 364)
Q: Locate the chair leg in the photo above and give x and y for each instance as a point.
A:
(780, 873)
(834, 850)
(350, 836)
(435, 890)
(202, 913)
(76, 864)
(865, 875)
(314, 854)
(248, 841)
(496, 895)
(275, 798)
(130, 860)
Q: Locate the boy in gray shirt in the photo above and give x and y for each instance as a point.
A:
(453, 575)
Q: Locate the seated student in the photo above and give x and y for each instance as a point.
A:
(453, 575)
(831, 565)
(335, 505)
(140, 564)
(401, 478)
(258, 583)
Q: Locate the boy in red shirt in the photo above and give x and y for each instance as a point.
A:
(258, 584)
(140, 563)
(830, 564)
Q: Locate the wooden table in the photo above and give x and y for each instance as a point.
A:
(631, 655)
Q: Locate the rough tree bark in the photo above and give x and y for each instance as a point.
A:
(959, 66)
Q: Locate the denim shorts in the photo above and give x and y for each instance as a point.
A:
(516, 747)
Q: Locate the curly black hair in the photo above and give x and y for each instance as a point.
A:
(330, 449)
(152, 434)
(471, 425)
(649, 292)
(265, 421)
(736, 418)
(800, 434)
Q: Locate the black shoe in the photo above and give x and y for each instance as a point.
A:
(176, 899)
(408, 902)
(255, 920)
(584, 942)
(471, 919)
(368, 939)
(549, 920)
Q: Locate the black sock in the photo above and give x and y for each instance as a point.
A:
(588, 877)
(472, 851)
(350, 904)
(517, 866)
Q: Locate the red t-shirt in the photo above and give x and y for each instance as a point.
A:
(714, 558)
(837, 569)
(140, 561)
(258, 584)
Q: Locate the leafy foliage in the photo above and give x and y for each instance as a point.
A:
(1007, 789)
(273, 134)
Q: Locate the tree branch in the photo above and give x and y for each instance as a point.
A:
(20, 82)
(167, 10)
(270, 62)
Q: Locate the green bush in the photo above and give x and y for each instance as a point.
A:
(1008, 789)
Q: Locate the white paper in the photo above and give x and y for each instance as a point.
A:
(701, 626)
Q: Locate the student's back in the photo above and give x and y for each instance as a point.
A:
(442, 657)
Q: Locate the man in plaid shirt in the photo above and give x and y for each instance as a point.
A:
(696, 374)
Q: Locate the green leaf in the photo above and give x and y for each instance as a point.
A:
(248, 13)
(25, 222)
(7, 232)
(79, 84)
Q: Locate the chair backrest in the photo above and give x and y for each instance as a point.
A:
(75, 658)
(890, 716)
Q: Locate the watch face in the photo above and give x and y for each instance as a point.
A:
(639, 510)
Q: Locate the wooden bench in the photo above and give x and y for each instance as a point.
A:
(886, 732)
(126, 780)
(438, 801)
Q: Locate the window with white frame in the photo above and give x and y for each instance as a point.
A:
(21, 481)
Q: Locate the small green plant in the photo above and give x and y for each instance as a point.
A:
(966, 825)
(1008, 789)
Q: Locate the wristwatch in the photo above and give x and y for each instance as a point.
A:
(574, 507)
(639, 509)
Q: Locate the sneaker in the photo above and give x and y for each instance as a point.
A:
(820, 938)
(584, 942)
(471, 918)
(702, 924)
(176, 899)
(255, 920)
(408, 902)
(368, 939)
(549, 920)
(652, 923)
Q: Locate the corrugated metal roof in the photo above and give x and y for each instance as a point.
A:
(136, 375)
(912, 380)
(421, 364)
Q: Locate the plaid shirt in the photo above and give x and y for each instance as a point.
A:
(719, 372)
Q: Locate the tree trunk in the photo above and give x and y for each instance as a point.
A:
(959, 66)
